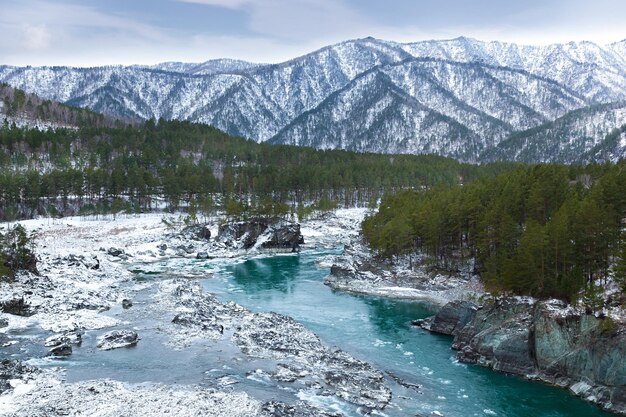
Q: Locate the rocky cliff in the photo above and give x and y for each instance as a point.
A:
(541, 340)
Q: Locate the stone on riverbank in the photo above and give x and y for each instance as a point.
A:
(117, 339)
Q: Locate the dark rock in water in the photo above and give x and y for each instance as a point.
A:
(3, 323)
(117, 339)
(202, 255)
(13, 369)
(162, 247)
(197, 232)
(16, 306)
(245, 234)
(126, 303)
(60, 350)
(115, 251)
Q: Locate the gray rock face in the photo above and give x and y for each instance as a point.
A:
(246, 234)
(453, 317)
(117, 339)
(572, 349)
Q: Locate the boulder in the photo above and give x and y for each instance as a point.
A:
(60, 350)
(202, 255)
(115, 251)
(17, 306)
(117, 339)
(126, 303)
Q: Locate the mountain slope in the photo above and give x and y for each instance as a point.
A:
(491, 89)
(391, 109)
(27, 110)
(592, 133)
(595, 72)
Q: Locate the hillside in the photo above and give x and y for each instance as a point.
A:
(490, 90)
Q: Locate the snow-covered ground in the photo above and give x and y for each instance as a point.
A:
(84, 266)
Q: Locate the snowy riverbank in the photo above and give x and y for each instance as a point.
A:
(85, 285)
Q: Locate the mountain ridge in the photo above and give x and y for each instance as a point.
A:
(259, 101)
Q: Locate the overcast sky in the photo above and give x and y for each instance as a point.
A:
(100, 32)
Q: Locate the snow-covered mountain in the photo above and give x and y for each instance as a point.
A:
(430, 106)
(594, 133)
(458, 97)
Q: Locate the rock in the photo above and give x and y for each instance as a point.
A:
(60, 350)
(202, 255)
(3, 323)
(452, 317)
(197, 232)
(283, 235)
(74, 337)
(162, 247)
(16, 306)
(300, 409)
(117, 339)
(126, 303)
(11, 369)
(81, 260)
(242, 234)
(115, 251)
(261, 232)
(199, 319)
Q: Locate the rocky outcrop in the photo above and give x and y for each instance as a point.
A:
(542, 340)
(117, 339)
(12, 369)
(261, 233)
(451, 319)
(197, 232)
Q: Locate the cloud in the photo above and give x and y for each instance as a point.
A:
(229, 4)
(297, 20)
(100, 32)
(36, 37)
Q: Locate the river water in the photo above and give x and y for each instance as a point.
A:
(376, 330)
